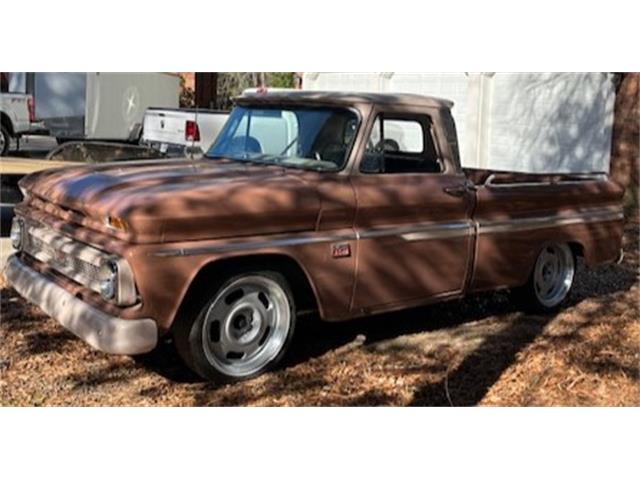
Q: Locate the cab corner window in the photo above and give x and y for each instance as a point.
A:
(401, 145)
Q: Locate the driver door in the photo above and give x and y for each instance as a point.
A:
(412, 217)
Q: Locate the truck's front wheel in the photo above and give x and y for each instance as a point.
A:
(243, 330)
(5, 140)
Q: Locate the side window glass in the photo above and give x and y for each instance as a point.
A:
(401, 145)
(404, 136)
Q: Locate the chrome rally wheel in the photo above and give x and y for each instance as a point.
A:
(243, 330)
(550, 281)
(553, 274)
(246, 326)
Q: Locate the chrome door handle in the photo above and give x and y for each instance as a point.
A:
(457, 191)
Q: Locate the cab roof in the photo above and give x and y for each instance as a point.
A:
(340, 98)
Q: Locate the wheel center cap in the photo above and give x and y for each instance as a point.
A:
(244, 324)
(240, 322)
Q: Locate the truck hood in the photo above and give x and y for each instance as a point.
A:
(182, 200)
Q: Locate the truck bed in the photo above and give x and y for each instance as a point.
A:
(514, 211)
(165, 128)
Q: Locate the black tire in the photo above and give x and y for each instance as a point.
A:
(6, 141)
(531, 298)
(189, 330)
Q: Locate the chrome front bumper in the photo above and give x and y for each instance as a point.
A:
(100, 330)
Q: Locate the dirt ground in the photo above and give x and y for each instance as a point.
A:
(480, 351)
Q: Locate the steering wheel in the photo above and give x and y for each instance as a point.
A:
(329, 149)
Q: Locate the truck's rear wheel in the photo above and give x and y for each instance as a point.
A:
(5, 141)
(243, 330)
(551, 279)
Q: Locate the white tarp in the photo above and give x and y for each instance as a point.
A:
(528, 122)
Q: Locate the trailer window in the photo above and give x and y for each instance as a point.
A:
(401, 145)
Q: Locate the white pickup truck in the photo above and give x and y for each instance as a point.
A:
(17, 118)
(181, 130)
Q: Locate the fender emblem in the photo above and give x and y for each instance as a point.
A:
(340, 250)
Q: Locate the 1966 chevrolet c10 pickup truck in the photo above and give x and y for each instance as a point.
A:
(348, 204)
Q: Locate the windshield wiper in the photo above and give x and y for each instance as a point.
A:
(289, 146)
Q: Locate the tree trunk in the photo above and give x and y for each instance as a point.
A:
(259, 79)
(625, 154)
(206, 90)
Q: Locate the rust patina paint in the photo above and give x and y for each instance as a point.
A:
(410, 242)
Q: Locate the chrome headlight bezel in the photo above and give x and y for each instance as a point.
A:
(108, 277)
(116, 282)
(17, 233)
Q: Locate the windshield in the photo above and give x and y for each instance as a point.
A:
(296, 137)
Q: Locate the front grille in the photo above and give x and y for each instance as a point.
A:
(71, 258)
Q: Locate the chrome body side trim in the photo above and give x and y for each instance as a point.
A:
(419, 231)
(550, 221)
(287, 241)
(410, 233)
(576, 179)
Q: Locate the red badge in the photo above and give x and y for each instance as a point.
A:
(340, 250)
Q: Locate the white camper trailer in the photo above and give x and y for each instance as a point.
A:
(527, 122)
(98, 106)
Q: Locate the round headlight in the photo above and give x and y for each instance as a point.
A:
(17, 227)
(108, 279)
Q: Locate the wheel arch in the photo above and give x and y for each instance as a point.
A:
(577, 248)
(300, 283)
